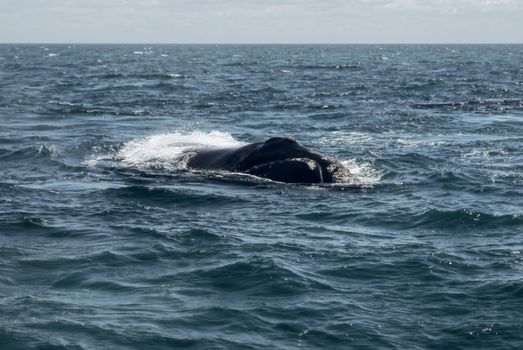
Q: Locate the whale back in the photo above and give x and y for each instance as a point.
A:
(222, 158)
(295, 170)
(278, 158)
(274, 149)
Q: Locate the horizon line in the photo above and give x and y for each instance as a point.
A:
(257, 43)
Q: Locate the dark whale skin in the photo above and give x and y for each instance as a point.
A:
(279, 159)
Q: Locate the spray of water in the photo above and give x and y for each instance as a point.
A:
(167, 150)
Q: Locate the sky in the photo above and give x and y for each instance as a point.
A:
(261, 21)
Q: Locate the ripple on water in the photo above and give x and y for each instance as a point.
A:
(108, 241)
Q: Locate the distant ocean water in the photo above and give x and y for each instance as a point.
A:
(108, 242)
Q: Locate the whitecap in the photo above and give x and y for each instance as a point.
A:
(48, 149)
(138, 111)
(93, 160)
(147, 52)
(345, 138)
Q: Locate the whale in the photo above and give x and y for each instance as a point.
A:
(280, 159)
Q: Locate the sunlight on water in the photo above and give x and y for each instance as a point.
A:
(108, 241)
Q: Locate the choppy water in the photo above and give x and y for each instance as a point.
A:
(107, 242)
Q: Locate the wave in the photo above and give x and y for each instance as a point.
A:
(334, 66)
(479, 105)
(26, 223)
(61, 108)
(168, 197)
(42, 151)
(81, 280)
(259, 276)
(92, 334)
(464, 219)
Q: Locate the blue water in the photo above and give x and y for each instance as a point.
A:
(108, 242)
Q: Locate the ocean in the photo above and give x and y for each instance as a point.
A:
(107, 241)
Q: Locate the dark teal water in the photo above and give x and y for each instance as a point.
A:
(108, 242)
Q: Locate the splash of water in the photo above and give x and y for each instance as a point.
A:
(167, 150)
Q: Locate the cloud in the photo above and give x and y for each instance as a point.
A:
(450, 6)
(261, 20)
(211, 6)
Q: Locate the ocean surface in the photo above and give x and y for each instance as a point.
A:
(107, 241)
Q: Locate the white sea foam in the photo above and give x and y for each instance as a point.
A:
(364, 173)
(94, 160)
(145, 52)
(167, 150)
(348, 138)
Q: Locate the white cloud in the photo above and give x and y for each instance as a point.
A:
(261, 21)
(452, 6)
